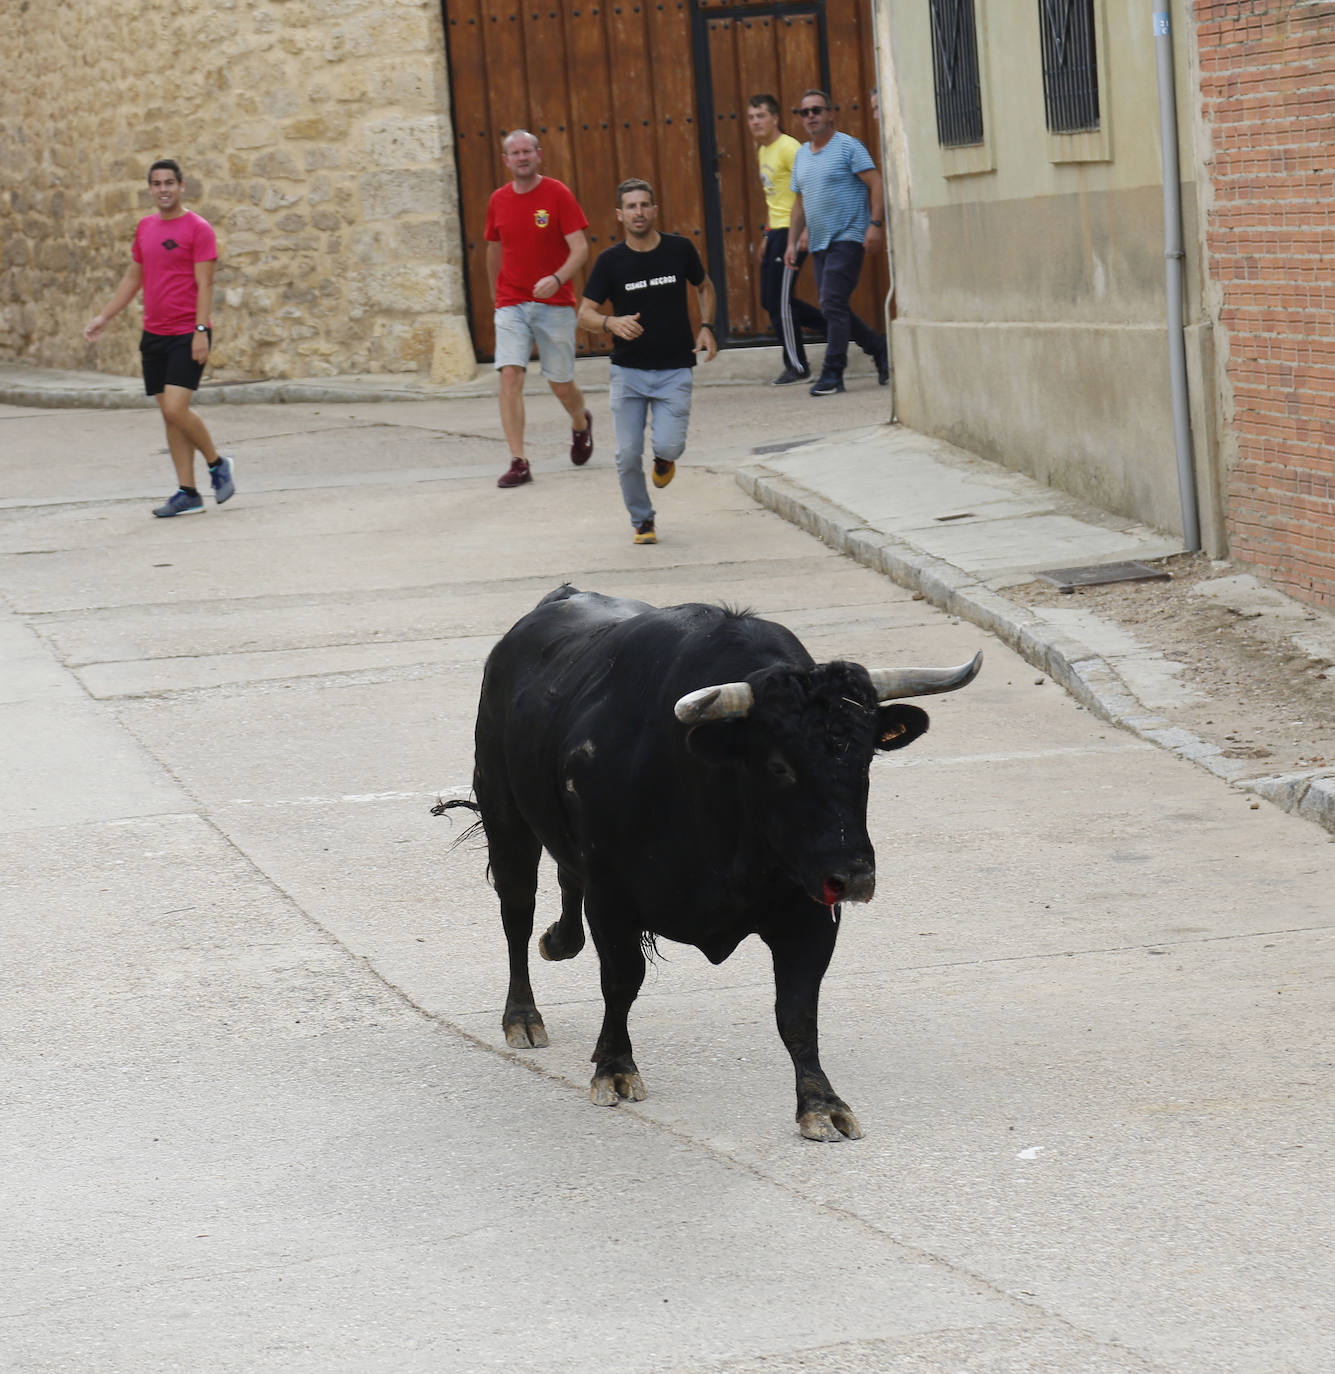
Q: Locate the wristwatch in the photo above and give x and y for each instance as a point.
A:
(201, 329)
(879, 223)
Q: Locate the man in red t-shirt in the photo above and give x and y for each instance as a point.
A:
(535, 245)
(174, 256)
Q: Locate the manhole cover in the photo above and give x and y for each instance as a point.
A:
(1068, 579)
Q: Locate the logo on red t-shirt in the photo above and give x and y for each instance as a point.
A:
(541, 218)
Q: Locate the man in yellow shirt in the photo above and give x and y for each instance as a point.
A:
(788, 314)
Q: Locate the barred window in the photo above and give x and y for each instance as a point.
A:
(959, 102)
(1070, 65)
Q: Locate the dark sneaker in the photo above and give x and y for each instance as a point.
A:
(223, 478)
(516, 474)
(180, 503)
(581, 442)
(790, 375)
(664, 472)
(830, 384)
(644, 533)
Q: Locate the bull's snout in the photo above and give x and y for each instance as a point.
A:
(856, 885)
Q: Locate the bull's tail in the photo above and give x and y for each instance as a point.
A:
(477, 828)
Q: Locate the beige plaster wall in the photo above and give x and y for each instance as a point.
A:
(1030, 292)
(314, 136)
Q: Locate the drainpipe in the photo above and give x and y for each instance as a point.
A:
(885, 208)
(1174, 256)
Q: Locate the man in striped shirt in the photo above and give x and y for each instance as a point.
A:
(838, 214)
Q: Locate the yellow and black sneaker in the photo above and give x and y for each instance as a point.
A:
(644, 533)
(664, 472)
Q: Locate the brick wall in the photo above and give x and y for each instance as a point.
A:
(314, 135)
(1267, 71)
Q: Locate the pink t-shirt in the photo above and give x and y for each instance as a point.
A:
(168, 250)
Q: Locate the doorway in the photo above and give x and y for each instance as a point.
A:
(654, 89)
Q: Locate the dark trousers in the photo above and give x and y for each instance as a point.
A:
(837, 270)
(788, 315)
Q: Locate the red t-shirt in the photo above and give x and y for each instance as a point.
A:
(531, 229)
(168, 250)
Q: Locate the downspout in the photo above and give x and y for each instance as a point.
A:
(1174, 256)
(885, 208)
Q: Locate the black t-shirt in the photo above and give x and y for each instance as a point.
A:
(652, 285)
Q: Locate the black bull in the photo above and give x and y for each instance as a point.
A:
(695, 775)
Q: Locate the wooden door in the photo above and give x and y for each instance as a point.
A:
(751, 47)
(609, 92)
(654, 89)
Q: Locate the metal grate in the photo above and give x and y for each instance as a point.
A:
(1100, 574)
(1070, 65)
(959, 102)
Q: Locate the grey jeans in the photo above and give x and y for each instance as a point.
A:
(637, 394)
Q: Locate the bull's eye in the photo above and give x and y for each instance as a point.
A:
(781, 771)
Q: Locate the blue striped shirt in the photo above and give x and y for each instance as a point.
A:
(835, 199)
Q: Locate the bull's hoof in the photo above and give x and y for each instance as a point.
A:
(836, 1123)
(607, 1089)
(525, 1032)
(552, 947)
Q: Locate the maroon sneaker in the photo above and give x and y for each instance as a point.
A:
(516, 474)
(581, 442)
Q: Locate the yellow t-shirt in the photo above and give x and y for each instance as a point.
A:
(776, 174)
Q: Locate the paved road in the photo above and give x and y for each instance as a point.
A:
(257, 1112)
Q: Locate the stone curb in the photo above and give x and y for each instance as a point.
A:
(733, 367)
(130, 395)
(1086, 675)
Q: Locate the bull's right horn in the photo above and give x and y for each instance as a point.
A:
(893, 683)
(723, 701)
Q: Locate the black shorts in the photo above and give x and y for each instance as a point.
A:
(167, 362)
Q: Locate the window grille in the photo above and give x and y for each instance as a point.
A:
(1070, 65)
(959, 102)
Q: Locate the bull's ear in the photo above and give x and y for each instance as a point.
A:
(719, 742)
(898, 725)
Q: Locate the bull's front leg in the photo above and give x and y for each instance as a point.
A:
(621, 968)
(564, 939)
(801, 954)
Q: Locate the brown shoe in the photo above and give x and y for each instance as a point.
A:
(664, 472)
(644, 533)
(581, 442)
(516, 474)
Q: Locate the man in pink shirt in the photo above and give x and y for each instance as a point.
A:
(174, 253)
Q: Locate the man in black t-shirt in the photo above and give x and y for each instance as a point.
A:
(645, 279)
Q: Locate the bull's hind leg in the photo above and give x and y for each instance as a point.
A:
(564, 939)
(800, 961)
(621, 965)
(514, 854)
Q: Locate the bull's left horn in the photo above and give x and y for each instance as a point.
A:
(723, 701)
(893, 683)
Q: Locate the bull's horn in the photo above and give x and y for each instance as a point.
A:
(893, 683)
(723, 701)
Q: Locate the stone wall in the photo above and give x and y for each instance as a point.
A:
(314, 135)
(1268, 109)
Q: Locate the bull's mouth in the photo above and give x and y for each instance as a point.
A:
(858, 887)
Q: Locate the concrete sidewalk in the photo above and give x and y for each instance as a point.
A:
(956, 528)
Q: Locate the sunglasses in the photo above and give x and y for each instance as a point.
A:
(811, 110)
